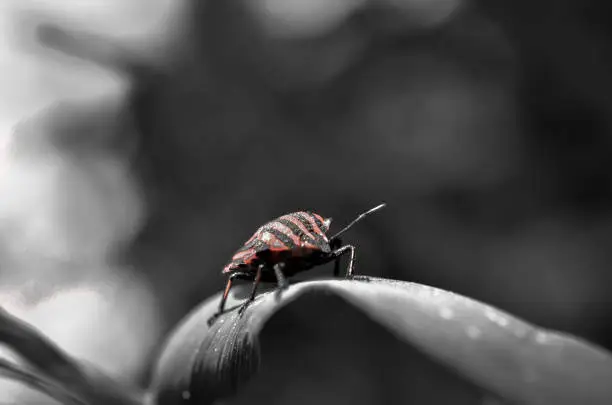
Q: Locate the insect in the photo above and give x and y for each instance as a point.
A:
(285, 246)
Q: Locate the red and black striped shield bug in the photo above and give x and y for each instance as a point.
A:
(285, 246)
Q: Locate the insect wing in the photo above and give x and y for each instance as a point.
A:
(295, 231)
(246, 254)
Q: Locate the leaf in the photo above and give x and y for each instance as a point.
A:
(37, 382)
(55, 373)
(502, 355)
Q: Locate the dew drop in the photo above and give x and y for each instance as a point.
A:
(541, 337)
(446, 313)
(497, 318)
(473, 332)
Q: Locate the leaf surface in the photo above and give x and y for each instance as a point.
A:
(503, 355)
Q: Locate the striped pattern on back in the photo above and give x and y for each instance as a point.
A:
(300, 231)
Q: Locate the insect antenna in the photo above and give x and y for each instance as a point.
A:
(359, 218)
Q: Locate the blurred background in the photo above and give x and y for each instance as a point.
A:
(143, 141)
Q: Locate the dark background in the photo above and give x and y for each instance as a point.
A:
(485, 126)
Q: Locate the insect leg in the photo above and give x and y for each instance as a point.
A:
(336, 254)
(254, 290)
(280, 278)
(221, 308)
(334, 244)
(256, 282)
